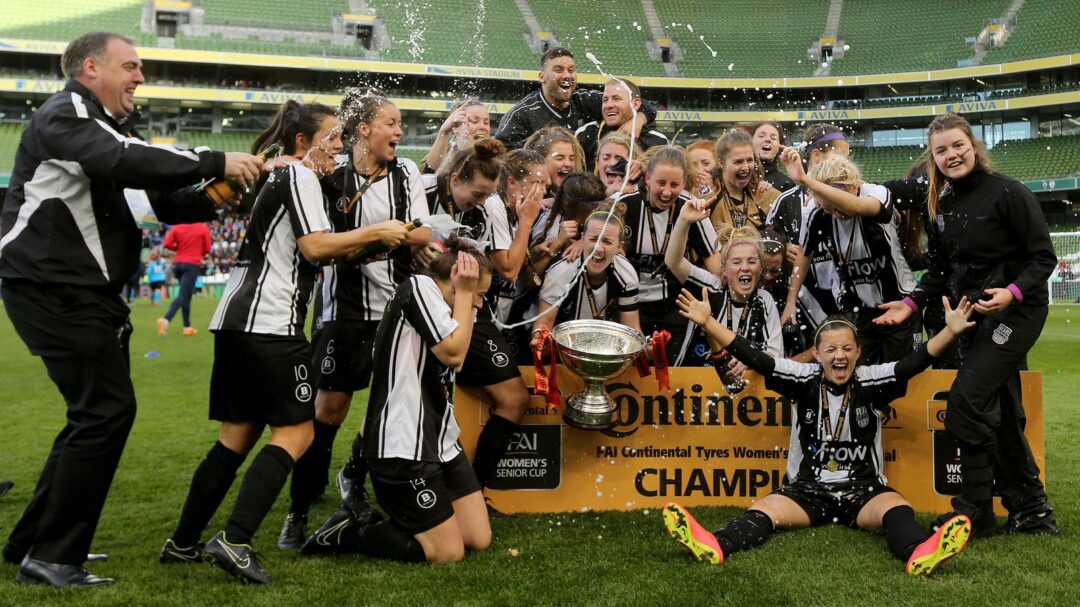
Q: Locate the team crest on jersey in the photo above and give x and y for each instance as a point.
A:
(809, 416)
(1001, 334)
(426, 499)
(328, 365)
(499, 359)
(303, 392)
(862, 417)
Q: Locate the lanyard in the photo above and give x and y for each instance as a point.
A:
(744, 321)
(826, 425)
(658, 250)
(597, 315)
(364, 187)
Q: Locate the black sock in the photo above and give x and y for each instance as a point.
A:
(902, 533)
(209, 484)
(748, 531)
(262, 484)
(356, 468)
(309, 476)
(491, 446)
(385, 541)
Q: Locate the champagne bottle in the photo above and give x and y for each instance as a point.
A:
(379, 248)
(217, 191)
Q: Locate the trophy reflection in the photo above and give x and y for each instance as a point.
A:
(596, 351)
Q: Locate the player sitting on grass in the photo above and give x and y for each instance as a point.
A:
(836, 458)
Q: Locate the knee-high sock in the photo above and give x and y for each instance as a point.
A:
(262, 484)
(310, 474)
(356, 468)
(386, 541)
(902, 533)
(212, 480)
(491, 446)
(748, 531)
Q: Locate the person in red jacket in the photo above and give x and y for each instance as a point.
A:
(191, 241)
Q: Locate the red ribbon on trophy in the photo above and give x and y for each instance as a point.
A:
(660, 341)
(546, 381)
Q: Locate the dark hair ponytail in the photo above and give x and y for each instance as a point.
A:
(293, 117)
(440, 268)
(482, 158)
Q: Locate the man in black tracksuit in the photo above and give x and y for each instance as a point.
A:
(620, 102)
(989, 236)
(68, 244)
(558, 102)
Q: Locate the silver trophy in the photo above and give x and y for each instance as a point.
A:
(596, 351)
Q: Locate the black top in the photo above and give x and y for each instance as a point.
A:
(989, 233)
(589, 137)
(828, 451)
(533, 113)
(66, 217)
(775, 176)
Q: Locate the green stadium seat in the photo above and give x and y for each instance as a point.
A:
(1042, 28)
(607, 29)
(9, 144)
(309, 15)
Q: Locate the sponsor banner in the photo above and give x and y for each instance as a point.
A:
(699, 446)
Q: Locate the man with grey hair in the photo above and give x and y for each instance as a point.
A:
(68, 244)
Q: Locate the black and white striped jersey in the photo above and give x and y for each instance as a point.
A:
(867, 260)
(647, 235)
(845, 445)
(618, 293)
(501, 233)
(360, 291)
(410, 411)
(270, 286)
(788, 214)
(756, 319)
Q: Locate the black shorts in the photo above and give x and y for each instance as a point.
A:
(262, 379)
(490, 359)
(840, 503)
(419, 496)
(341, 355)
(157, 284)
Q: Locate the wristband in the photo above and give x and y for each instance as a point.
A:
(909, 302)
(1015, 290)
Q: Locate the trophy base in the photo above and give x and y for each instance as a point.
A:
(590, 413)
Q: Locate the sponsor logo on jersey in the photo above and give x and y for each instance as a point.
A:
(862, 417)
(1001, 334)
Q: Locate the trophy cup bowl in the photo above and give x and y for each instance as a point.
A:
(596, 351)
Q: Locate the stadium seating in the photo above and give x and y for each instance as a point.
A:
(234, 141)
(1042, 28)
(455, 32)
(1023, 159)
(910, 35)
(66, 19)
(762, 38)
(309, 15)
(605, 28)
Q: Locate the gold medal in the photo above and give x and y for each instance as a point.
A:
(833, 465)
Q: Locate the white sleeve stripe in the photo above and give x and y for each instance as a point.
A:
(294, 191)
(80, 107)
(133, 141)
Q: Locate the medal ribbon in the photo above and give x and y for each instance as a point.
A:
(826, 425)
(546, 381)
(660, 341)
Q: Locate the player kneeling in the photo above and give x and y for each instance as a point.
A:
(421, 476)
(836, 452)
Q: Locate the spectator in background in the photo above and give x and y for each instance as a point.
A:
(191, 241)
(155, 275)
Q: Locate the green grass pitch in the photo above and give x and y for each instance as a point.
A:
(595, 558)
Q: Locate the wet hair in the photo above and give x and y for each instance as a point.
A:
(292, 118)
(517, 164)
(576, 198)
(92, 45)
(543, 140)
(635, 92)
(618, 139)
(461, 104)
(672, 156)
(359, 106)
(936, 179)
(730, 140)
(441, 267)
(835, 322)
(727, 236)
(482, 158)
(814, 138)
(773, 241)
(554, 53)
(837, 170)
(609, 209)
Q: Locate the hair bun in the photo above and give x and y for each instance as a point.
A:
(489, 148)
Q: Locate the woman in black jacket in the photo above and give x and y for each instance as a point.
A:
(988, 241)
